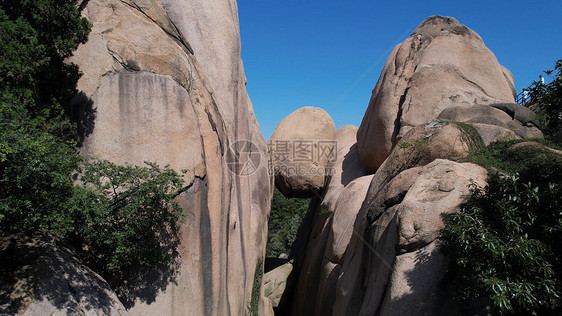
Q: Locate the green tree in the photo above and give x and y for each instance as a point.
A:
(37, 150)
(284, 220)
(122, 216)
(36, 36)
(547, 102)
(506, 242)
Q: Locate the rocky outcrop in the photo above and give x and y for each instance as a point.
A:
(369, 244)
(38, 278)
(442, 64)
(359, 252)
(328, 228)
(166, 84)
(275, 283)
(496, 121)
(301, 148)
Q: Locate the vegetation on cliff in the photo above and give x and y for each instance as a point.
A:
(122, 215)
(284, 220)
(506, 242)
(546, 100)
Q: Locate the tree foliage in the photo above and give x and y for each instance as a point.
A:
(122, 216)
(35, 39)
(125, 216)
(547, 102)
(506, 242)
(284, 220)
(37, 151)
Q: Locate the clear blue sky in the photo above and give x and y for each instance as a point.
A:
(330, 54)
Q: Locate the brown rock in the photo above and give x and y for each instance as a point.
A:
(415, 286)
(343, 218)
(275, 283)
(442, 64)
(331, 227)
(300, 151)
(492, 133)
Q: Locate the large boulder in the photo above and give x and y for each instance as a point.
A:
(163, 81)
(353, 243)
(442, 64)
(328, 227)
(345, 167)
(496, 121)
(402, 219)
(275, 283)
(301, 147)
(39, 278)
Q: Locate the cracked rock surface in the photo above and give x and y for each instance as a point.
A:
(165, 82)
(442, 64)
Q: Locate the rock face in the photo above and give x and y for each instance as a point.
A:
(275, 282)
(363, 253)
(328, 228)
(442, 64)
(369, 244)
(496, 121)
(38, 278)
(301, 147)
(166, 84)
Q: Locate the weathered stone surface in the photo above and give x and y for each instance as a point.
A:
(401, 215)
(416, 286)
(344, 216)
(335, 278)
(275, 282)
(335, 211)
(498, 118)
(345, 168)
(38, 278)
(437, 191)
(166, 81)
(442, 64)
(300, 169)
(492, 133)
(341, 230)
(521, 113)
(423, 144)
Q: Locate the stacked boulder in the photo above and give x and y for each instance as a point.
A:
(369, 244)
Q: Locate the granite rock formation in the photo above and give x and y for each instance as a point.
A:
(38, 278)
(301, 148)
(369, 244)
(442, 64)
(166, 82)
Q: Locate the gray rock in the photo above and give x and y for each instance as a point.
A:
(39, 278)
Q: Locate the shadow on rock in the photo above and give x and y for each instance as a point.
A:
(84, 115)
(143, 284)
(40, 278)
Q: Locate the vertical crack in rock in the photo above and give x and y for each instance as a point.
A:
(176, 37)
(206, 248)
